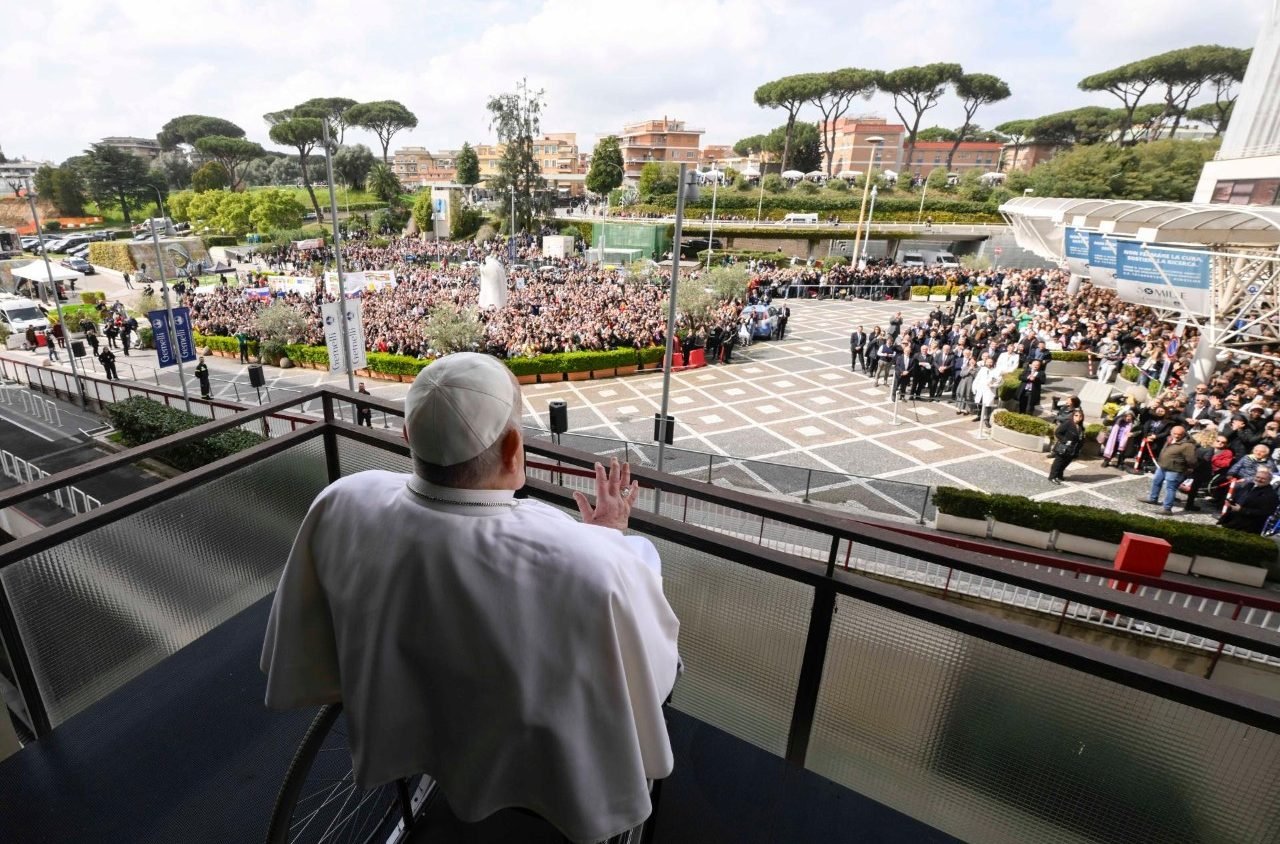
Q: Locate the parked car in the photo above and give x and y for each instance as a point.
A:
(30, 242)
(68, 242)
(80, 265)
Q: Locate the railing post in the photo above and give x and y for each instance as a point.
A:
(808, 481)
(711, 459)
(331, 461)
(815, 657)
(924, 505)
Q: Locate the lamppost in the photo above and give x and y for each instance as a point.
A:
(168, 302)
(875, 141)
(924, 191)
(53, 286)
(711, 230)
(760, 204)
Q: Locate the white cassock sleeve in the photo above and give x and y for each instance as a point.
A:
(299, 654)
(644, 549)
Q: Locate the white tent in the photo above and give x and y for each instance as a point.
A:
(713, 173)
(750, 171)
(816, 175)
(794, 175)
(848, 174)
(35, 271)
(889, 174)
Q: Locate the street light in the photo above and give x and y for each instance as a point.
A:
(760, 204)
(168, 302)
(711, 230)
(53, 285)
(875, 141)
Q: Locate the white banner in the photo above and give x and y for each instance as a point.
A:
(312, 243)
(353, 314)
(303, 284)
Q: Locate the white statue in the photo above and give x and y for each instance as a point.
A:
(493, 284)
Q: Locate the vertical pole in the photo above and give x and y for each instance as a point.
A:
(337, 260)
(866, 188)
(168, 307)
(57, 301)
(924, 190)
(760, 204)
(671, 330)
(711, 230)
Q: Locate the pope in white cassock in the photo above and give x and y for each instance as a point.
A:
(515, 654)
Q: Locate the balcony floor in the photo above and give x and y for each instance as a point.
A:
(187, 752)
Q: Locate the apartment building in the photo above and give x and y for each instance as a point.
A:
(717, 154)
(1026, 155)
(417, 166)
(852, 151)
(664, 140)
(983, 156)
(145, 148)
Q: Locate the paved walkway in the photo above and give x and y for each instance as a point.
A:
(792, 402)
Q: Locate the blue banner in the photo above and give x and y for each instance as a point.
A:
(1102, 252)
(160, 336)
(1075, 243)
(1153, 265)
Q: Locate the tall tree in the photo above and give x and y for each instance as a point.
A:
(1230, 72)
(806, 146)
(916, 90)
(382, 183)
(211, 176)
(937, 133)
(1018, 132)
(352, 164)
(284, 171)
(517, 119)
(606, 171)
(832, 94)
(333, 109)
(176, 166)
(1086, 125)
(1128, 83)
(303, 134)
(975, 90)
(118, 179)
(790, 93)
(61, 186)
(749, 145)
(186, 129)
(232, 153)
(1212, 114)
(384, 118)
(468, 166)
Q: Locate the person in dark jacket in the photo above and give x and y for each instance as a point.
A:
(1177, 459)
(202, 375)
(1029, 389)
(1251, 506)
(1068, 439)
(903, 371)
(857, 339)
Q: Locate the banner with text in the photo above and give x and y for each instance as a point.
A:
(333, 313)
(1075, 248)
(1102, 261)
(310, 243)
(182, 333)
(1161, 277)
(302, 284)
(353, 284)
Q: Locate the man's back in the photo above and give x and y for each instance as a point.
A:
(514, 654)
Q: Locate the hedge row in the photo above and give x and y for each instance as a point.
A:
(1106, 525)
(1022, 423)
(1069, 356)
(141, 420)
(113, 255)
(220, 240)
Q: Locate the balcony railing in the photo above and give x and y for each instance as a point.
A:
(984, 727)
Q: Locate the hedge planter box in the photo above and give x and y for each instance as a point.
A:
(531, 378)
(551, 378)
(919, 298)
(1069, 368)
(625, 370)
(1178, 564)
(1229, 571)
(1069, 543)
(1020, 535)
(1026, 442)
(958, 524)
(597, 374)
(584, 375)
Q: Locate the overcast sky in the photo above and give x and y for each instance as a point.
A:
(85, 69)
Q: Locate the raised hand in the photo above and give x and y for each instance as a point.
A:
(615, 494)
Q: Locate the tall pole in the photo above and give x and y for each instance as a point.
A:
(924, 191)
(711, 231)
(57, 301)
(671, 326)
(511, 251)
(866, 188)
(337, 259)
(760, 204)
(168, 304)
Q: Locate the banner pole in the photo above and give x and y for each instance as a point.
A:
(337, 259)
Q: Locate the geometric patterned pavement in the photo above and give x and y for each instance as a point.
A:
(796, 402)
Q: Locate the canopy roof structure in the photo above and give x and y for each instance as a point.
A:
(36, 271)
(1241, 242)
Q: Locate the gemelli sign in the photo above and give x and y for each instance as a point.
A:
(1160, 277)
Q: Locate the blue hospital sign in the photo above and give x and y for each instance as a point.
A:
(1160, 277)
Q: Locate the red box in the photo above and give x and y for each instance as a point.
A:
(1140, 555)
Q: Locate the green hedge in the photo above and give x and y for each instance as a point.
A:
(1009, 386)
(114, 255)
(220, 240)
(1107, 525)
(218, 343)
(141, 420)
(1069, 356)
(362, 206)
(1129, 372)
(920, 290)
(1023, 423)
(940, 290)
(849, 203)
(1091, 431)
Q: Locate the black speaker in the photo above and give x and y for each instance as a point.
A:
(77, 348)
(659, 433)
(256, 378)
(558, 411)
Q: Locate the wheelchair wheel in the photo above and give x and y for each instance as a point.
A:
(319, 800)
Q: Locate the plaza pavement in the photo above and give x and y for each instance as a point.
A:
(792, 402)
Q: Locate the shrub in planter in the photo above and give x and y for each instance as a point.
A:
(1023, 423)
(388, 364)
(1129, 372)
(141, 420)
(940, 290)
(1069, 356)
(961, 503)
(1009, 386)
(1109, 410)
(1017, 510)
(1091, 432)
(527, 366)
(920, 290)
(651, 355)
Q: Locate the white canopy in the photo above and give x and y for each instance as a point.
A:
(792, 174)
(815, 175)
(713, 173)
(35, 271)
(889, 174)
(848, 174)
(750, 170)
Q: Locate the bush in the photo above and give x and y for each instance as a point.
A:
(940, 290)
(141, 420)
(1106, 525)
(1129, 372)
(1023, 423)
(1109, 410)
(1091, 431)
(146, 337)
(920, 290)
(835, 261)
(1009, 386)
(465, 223)
(92, 297)
(114, 255)
(652, 355)
(52, 226)
(1069, 356)
(220, 240)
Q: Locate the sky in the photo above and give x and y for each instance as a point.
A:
(122, 67)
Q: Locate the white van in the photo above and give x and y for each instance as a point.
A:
(911, 259)
(800, 218)
(940, 259)
(20, 314)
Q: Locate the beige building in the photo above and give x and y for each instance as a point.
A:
(852, 151)
(145, 148)
(417, 166)
(1026, 155)
(983, 156)
(662, 140)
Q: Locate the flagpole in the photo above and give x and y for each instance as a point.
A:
(337, 259)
